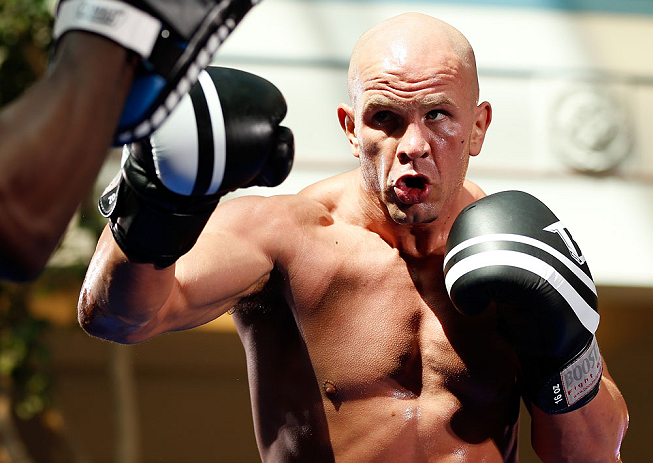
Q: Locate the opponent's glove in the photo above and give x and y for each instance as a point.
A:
(511, 250)
(224, 135)
(175, 40)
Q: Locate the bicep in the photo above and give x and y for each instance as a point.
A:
(228, 262)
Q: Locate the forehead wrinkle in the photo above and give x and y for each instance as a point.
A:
(409, 79)
(401, 93)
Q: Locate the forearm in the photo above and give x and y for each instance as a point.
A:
(592, 433)
(120, 301)
(54, 140)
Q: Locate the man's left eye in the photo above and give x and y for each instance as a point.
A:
(435, 114)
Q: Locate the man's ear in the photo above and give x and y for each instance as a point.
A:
(346, 118)
(482, 119)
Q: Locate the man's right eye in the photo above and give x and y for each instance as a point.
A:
(382, 116)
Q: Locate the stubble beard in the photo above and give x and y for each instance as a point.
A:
(411, 214)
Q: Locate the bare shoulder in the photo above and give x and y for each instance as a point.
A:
(469, 193)
(472, 191)
(260, 220)
(255, 214)
(331, 192)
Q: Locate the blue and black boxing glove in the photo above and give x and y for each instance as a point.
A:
(174, 39)
(510, 250)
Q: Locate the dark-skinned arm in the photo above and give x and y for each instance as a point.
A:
(53, 142)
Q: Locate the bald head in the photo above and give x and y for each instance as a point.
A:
(411, 39)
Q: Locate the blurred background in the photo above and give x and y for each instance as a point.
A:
(571, 84)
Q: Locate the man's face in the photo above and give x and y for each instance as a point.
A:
(414, 127)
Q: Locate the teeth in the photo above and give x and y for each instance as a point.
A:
(410, 181)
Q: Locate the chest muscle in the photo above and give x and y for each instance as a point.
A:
(378, 324)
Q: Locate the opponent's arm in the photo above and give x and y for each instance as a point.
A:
(53, 141)
(510, 250)
(138, 56)
(224, 135)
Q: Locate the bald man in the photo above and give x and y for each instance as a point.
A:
(354, 350)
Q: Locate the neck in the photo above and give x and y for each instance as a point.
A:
(415, 240)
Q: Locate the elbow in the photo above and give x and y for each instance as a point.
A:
(101, 326)
(623, 421)
(594, 457)
(597, 439)
(96, 321)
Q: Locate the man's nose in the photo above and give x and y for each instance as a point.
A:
(413, 144)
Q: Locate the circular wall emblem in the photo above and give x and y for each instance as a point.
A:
(590, 130)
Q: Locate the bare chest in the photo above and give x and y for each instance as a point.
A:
(379, 325)
(365, 350)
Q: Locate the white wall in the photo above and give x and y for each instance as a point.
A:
(529, 60)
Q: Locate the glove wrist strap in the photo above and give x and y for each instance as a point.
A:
(573, 385)
(147, 233)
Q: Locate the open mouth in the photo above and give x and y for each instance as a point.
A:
(414, 182)
(412, 189)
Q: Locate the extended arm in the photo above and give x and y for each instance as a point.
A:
(129, 302)
(53, 141)
(137, 56)
(159, 265)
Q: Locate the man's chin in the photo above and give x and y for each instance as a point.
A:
(412, 214)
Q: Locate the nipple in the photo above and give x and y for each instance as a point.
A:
(330, 389)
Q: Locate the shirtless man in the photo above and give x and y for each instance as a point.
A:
(354, 350)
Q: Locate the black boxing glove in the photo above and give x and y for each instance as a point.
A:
(511, 250)
(224, 135)
(173, 39)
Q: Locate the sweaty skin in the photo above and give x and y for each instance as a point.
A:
(354, 351)
(387, 372)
